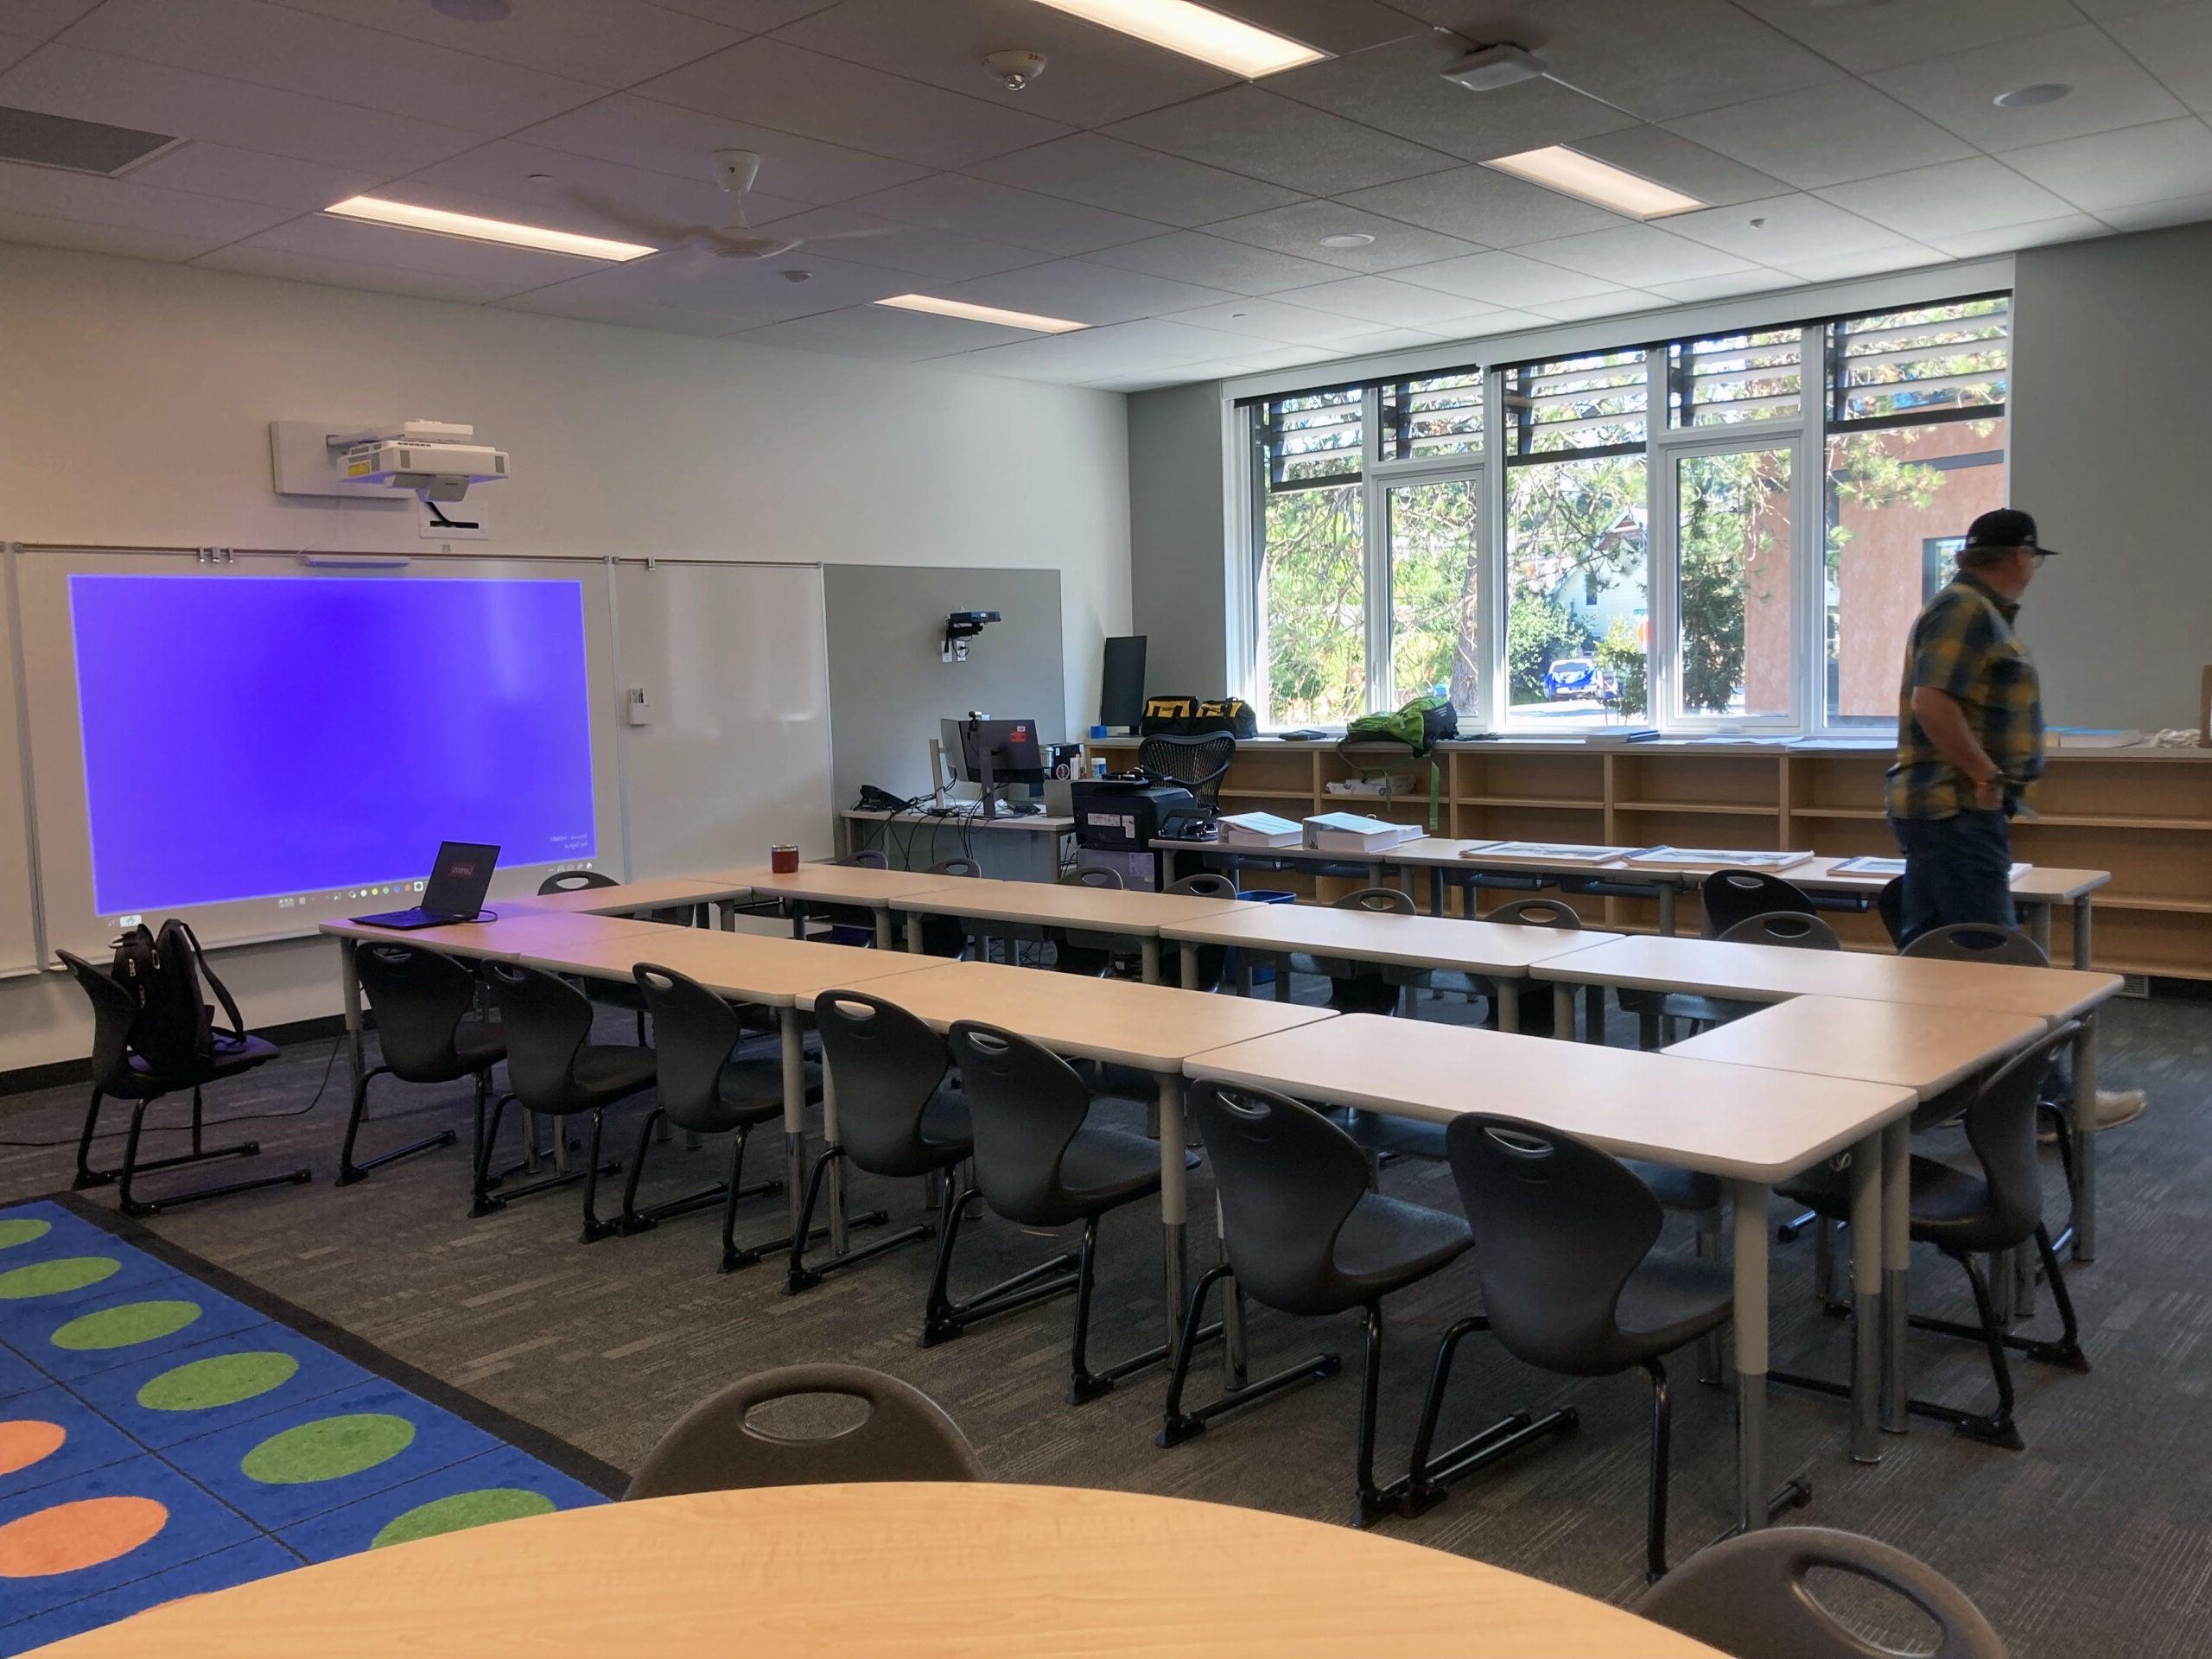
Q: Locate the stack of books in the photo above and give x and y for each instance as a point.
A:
(1347, 832)
(1619, 737)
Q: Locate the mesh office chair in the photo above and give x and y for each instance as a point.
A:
(1997, 1206)
(897, 1116)
(1748, 1596)
(1198, 763)
(556, 1071)
(1090, 955)
(422, 1002)
(120, 1070)
(700, 1089)
(713, 1448)
(1039, 1164)
(1304, 1235)
(1564, 1236)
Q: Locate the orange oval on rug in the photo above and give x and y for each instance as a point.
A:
(70, 1537)
(25, 1440)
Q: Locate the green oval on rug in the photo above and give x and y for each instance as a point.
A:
(219, 1380)
(124, 1327)
(330, 1448)
(56, 1277)
(461, 1511)
(23, 1231)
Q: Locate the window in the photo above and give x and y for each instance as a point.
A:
(1720, 531)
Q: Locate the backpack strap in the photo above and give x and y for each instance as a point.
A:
(214, 981)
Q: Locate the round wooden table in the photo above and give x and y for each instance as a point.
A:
(894, 1569)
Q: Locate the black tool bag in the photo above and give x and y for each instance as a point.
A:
(174, 1032)
(1196, 716)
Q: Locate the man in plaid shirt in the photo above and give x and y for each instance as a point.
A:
(1969, 732)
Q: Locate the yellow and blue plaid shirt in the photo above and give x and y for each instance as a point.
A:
(1963, 645)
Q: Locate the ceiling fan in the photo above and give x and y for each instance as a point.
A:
(734, 170)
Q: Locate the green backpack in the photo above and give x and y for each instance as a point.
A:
(1420, 724)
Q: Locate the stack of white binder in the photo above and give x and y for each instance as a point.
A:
(1348, 832)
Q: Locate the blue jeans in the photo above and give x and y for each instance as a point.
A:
(1956, 869)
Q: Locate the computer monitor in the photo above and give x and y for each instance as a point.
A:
(1121, 695)
(989, 753)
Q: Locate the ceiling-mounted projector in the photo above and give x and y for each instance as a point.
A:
(1489, 67)
(435, 460)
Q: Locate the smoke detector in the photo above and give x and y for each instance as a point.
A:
(1015, 69)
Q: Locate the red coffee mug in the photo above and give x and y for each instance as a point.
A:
(783, 860)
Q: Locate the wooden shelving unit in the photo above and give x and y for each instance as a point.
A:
(2145, 815)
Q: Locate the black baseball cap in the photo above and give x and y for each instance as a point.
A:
(2006, 527)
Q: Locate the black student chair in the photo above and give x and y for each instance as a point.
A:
(555, 1070)
(1304, 1234)
(1564, 1236)
(1729, 897)
(1212, 958)
(1038, 1163)
(947, 936)
(423, 1003)
(1995, 1207)
(702, 1089)
(1749, 1596)
(1077, 953)
(853, 924)
(714, 1447)
(1354, 988)
(608, 993)
(896, 1116)
(119, 1070)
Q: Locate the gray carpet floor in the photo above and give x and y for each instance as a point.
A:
(2096, 1541)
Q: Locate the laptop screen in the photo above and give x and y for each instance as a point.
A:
(461, 877)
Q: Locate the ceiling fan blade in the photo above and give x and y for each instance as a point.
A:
(620, 212)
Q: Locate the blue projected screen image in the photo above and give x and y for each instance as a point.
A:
(252, 737)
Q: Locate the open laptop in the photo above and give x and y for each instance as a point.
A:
(455, 891)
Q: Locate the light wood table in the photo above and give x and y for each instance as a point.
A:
(1028, 845)
(928, 1571)
(750, 967)
(1750, 1127)
(1767, 973)
(1152, 1029)
(856, 885)
(1124, 913)
(637, 898)
(1501, 951)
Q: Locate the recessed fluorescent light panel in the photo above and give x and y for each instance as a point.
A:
(1197, 31)
(961, 308)
(1569, 171)
(409, 217)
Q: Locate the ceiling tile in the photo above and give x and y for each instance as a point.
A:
(1636, 256)
(1976, 245)
(1954, 199)
(745, 293)
(841, 103)
(1338, 26)
(885, 332)
(752, 16)
(14, 47)
(1824, 135)
(1194, 257)
(1862, 38)
(1383, 300)
(2104, 11)
(343, 240)
(1299, 229)
(330, 272)
(864, 239)
(1092, 74)
(1089, 167)
(2111, 89)
(590, 307)
(999, 212)
(1782, 230)
(2176, 45)
(1484, 206)
(274, 45)
(640, 132)
(1670, 159)
(93, 86)
(1619, 301)
(1505, 279)
(579, 193)
(1079, 292)
(606, 43)
(250, 175)
(1701, 288)
(2155, 215)
(1843, 267)
(53, 192)
(40, 231)
(1276, 319)
(41, 19)
(1256, 133)
(1095, 353)
(1654, 61)
(2121, 169)
(1400, 89)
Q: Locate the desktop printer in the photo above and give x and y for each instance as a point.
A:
(1126, 815)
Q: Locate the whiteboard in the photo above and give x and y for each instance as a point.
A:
(734, 757)
(19, 951)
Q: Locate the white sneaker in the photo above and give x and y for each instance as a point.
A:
(2118, 1106)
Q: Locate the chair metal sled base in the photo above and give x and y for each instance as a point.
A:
(124, 1177)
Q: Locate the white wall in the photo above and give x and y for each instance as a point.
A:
(135, 399)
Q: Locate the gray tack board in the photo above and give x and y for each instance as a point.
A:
(888, 689)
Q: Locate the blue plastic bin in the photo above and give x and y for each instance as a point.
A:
(1262, 973)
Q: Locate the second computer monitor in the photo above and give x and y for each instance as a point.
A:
(1007, 749)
